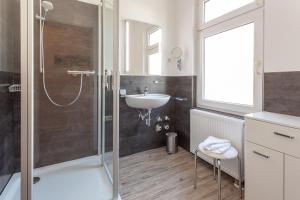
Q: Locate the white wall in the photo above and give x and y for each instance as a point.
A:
(282, 35)
(176, 19)
(184, 36)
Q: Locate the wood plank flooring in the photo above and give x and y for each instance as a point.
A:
(155, 175)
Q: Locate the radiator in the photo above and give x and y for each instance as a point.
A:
(204, 124)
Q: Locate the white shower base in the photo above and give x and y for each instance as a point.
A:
(83, 179)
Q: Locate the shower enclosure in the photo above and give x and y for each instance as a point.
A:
(69, 102)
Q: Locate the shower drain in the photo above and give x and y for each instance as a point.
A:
(36, 180)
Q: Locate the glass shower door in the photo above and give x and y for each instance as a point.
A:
(107, 86)
(67, 164)
(69, 56)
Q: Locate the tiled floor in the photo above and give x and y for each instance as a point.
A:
(155, 175)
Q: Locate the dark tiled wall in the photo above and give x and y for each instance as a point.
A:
(183, 86)
(9, 129)
(135, 136)
(9, 102)
(10, 36)
(67, 133)
(282, 93)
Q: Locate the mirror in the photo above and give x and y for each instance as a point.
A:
(142, 49)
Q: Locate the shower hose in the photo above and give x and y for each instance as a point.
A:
(44, 73)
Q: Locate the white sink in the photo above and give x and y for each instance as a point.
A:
(148, 101)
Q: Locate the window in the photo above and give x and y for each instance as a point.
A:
(153, 50)
(216, 8)
(234, 64)
(217, 11)
(231, 63)
(154, 64)
(155, 37)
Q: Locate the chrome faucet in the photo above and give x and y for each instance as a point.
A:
(146, 91)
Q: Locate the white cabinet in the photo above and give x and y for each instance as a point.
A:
(292, 178)
(272, 157)
(263, 180)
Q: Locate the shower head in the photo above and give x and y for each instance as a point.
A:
(47, 5)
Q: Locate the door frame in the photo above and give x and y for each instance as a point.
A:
(116, 95)
(27, 97)
(115, 89)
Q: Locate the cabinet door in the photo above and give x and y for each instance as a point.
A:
(263, 173)
(292, 178)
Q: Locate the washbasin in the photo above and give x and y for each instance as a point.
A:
(149, 101)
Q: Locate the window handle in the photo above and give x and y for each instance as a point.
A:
(258, 67)
(284, 135)
(262, 155)
(260, 2)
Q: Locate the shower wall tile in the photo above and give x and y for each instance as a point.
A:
(9, 103)
(282, 92)
(9, 129)
(66, 133)
(10, 36)
(6, 139)
(135, 136)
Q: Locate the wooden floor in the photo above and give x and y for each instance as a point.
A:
(154, 175)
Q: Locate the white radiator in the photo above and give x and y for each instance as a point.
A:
(204, 124)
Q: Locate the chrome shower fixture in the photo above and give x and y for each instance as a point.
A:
(46, 6)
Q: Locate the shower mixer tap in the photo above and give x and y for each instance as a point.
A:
(78, 72)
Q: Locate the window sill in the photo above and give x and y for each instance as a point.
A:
(221, 111)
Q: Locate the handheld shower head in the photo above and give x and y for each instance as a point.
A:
(47, 5)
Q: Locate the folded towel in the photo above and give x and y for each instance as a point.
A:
(216, 145)
(218, 148)
(213, 140)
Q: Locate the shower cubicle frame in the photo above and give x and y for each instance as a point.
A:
(27, 98)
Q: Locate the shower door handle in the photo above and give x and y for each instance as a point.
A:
(107, 81)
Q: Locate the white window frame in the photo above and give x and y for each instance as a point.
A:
(242, 10)
(255, 16)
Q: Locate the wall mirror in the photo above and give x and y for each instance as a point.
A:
(141, 48)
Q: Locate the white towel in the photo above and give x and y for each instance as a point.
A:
(213, 140)
(218, 148)
(216, 145)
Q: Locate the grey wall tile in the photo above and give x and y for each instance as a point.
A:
(135, 136)
(9, 129)
(9, 103)
(63, 134)
(282, 93)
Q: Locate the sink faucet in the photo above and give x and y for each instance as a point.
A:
(146, 91)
